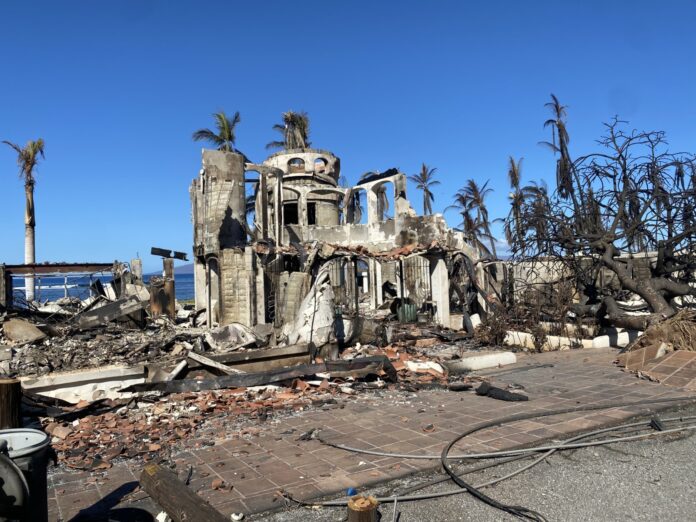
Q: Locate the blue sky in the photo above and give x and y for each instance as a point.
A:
(117, 88)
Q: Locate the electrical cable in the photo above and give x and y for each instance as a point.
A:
(564, 445)
(402, 497)
(519, 511)
(568, 444)
(503, 420)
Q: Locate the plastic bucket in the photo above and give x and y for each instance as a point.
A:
(28, 449)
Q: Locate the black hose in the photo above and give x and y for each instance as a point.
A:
(520, 511)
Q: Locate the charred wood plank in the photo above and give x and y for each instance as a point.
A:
(357, 367)
(262, 360)
(110, 312)
(205, 361)
(177, 500)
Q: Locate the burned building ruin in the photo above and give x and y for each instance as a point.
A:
(365, 244)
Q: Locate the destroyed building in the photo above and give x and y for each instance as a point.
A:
(311, 240)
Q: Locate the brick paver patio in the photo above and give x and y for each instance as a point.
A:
(254, 470)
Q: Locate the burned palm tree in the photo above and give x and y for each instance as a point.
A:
(223, 138)
(559, 144)
(27, 159)
(294, 131)
(514, 223)
(424, 180)
(537, 215)
(471, 203)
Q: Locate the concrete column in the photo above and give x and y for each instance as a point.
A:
(249, 265)
(5, 288)
(439, 285)
(376, 280)
(169, 290)
(199, 284)
(263, 218)
(260, 288)
(213, 291)
(302, 209)
(278, 208)
(136, 266)
(372, 214)
(226, 197)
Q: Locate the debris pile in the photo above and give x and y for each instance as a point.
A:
(666, 352)
(160, 427)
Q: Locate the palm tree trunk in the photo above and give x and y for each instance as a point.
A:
(29, 241)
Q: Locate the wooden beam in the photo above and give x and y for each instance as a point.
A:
(59, 268)
(359, 367)
(175, 498)
(177, 370)
(205, 361)
(263, 360)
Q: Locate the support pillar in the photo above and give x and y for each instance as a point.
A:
(137, 270)
(169, 291)
(439, 286)
(199, 286)
(278, 207)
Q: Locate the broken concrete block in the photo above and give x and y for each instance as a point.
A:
(21, 331)
(424, 367)
(183, 314)
(5, 353)
(229, 336)
(263, 332)
(139, 291)
(110, 312)
(480, 362)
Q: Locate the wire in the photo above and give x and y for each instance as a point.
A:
(518, 454)
(504, 420)
(402, 497)
(519, 511)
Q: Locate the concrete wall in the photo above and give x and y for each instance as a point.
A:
(293, 288)
(238, 286)
(218, 203)
(5, 288)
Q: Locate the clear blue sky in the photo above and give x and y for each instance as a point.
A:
(116, 89)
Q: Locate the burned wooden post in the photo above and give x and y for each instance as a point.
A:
(162, 292)
(169, 291)
(10, 404)
(362, 509)
(175, 498)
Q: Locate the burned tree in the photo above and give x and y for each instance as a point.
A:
(631, 200)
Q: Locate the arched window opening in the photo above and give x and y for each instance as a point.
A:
(296, 165)
(320, 165)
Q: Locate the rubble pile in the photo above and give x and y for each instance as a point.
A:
(665, 353)
(70, 350)
(166, 425)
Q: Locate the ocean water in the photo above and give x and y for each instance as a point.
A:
(52, 288)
